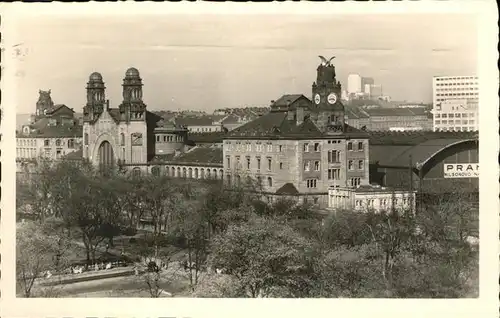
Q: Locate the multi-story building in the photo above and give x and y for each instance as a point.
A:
(205, 123)
(354, 84)
(371, 198)
(456, 115)
(366, 82)
(53, 134)
(302, 147)
(454, 88)
(390, 119)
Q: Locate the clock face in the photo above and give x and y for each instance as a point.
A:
(332, 98)
(317, 98)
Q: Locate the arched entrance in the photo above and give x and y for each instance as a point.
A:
(106, 155)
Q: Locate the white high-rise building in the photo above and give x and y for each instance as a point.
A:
(354, 84)
(366, 81)
(455, 103)
(454, 87)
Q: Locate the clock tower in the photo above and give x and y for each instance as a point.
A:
(326, 92)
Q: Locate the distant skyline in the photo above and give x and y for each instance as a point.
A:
(205, 62)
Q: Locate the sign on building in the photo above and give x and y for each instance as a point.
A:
(461, 170)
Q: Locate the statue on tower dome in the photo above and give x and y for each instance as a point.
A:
(324, 61)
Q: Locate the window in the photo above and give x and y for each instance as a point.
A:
(317, 147)
(358, 203)
(249, 147)
(281, 165)
(269, 164)
(315, 200)
(438, 122)
(157, 138)
(46, 142)
(361, 164)
(360, 146)
(333, 156)
(350, 165)
(71, 143)
(269, 147)
(155, 171)
(280, 148)
(269, 181)
(349, 146)
(238, 163)
(58, 153)
(259, 147)
(307, 166)
(437, 115)
(228, 161)
(58, 142)
(306, 147)
(311, 183)
(316, 166)
(354, 182)
(333, 174)
(444, 116)
(258, 163)
(136, 172)
(248, 162)
(451, 115)
(164, 138)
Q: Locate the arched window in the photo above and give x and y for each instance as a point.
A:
(207, 174)
(238, 180)
(190, 172)
(173, 172)
(184, 172)
(178, 172)
(202, 173)
(58, 142)
(269, 181)
(214, 172)
(167, 170)
(196, 173)
(228, 179)
(136, 172)
(86, 139)
(71, 143)
(155, 171)
(46, 142)
(221, 173)
(122, 139)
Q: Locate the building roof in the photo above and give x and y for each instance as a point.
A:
(196, 120)
(376, 188)
(287, 99)
(42, 129)
(388, 112)
(207, 137)
(288, 188)
(231, 119)
(409, 138)
(399, 155)
(276, 125)
(198, 155)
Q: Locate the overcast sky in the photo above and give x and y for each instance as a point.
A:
(206, 62)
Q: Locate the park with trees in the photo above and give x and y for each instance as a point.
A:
(204, 238)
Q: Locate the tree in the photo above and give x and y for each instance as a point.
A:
(269, 259)
(36, 252)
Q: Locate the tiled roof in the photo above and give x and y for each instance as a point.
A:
(206, 137)
(197, 155)
(41, 129)
(288, 188)
(287, 99)
(387, 112)
(55, 108)
(276, 125)
(230, 119)
(194, 120)
(399, 156)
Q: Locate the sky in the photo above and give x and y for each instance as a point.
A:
(205, 62)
